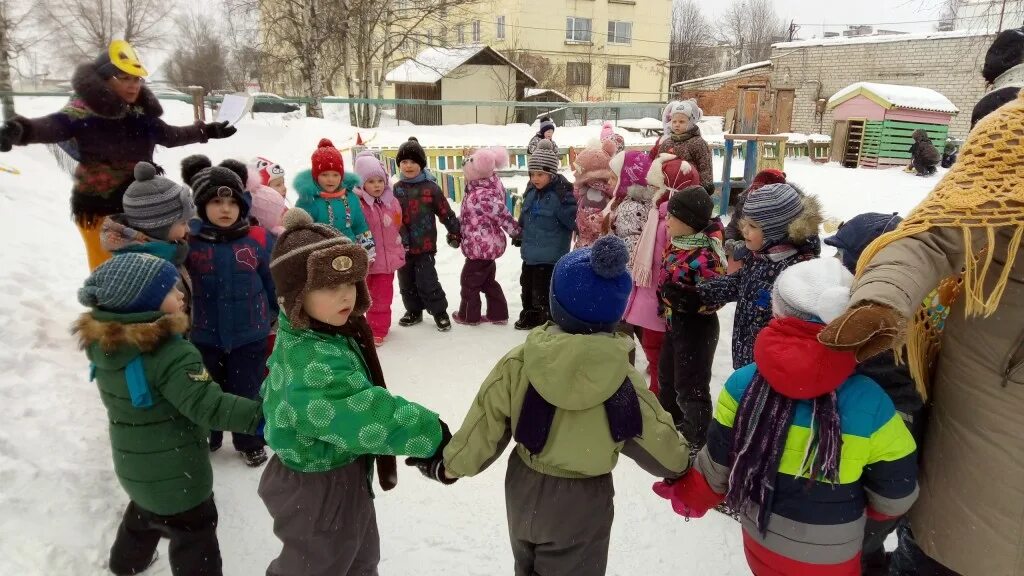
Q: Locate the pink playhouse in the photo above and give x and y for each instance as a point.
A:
(873, 122)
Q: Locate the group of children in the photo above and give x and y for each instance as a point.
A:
(789, 430)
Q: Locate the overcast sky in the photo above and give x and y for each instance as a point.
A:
(811, 14)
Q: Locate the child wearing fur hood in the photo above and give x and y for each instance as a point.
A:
(485, 222)
(593, 190)
(683, 139)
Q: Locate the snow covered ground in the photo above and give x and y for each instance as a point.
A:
(60, 502)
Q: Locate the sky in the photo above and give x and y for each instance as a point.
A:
(812, 14)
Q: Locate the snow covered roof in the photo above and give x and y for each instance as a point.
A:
(896, 96)
(531, 92)
(726, 74)
(433, 64)
(879, 39)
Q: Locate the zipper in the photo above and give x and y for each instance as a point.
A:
(1015, 362)
(380, 221)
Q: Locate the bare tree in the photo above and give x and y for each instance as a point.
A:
(199, 57)
(14, 42)
(752, 26)
(82, 29)
(691, 51)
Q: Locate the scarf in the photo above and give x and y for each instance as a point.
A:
(980, 195)
(698, 241)
(216, 234)
(642, 258)
(1013, 77)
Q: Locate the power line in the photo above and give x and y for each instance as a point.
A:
(932, 21)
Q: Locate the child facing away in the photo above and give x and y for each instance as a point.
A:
(271, 174)
(780, 228)
(326, 192)
(545, 132)
(803, 448)
(547, 220)
(233, 297)
(155, 221)
(924, 156)
(684, 140)
(572, 403)
(161, 403)
(422, 201)
(666, 175)
(384, 214)
(268, 205)
(328, 412)
(593, 190)
(691, 259)
(485, 221)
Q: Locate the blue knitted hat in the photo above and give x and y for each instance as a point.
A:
(855, 234)
(590, 287)
(773, 208)
(132, 282)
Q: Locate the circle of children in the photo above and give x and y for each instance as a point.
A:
(808, 449)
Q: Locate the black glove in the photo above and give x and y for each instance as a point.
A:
(517, 241)
(11, 133)
(683, 298)
(455, 240)
(216, 130)
(433, 467)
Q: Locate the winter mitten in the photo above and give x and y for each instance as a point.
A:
(387, 472)
(433, 467)
(682, 298)
(454, 240)
(11, 133)
(867, 330)
(216, 130)
(691, 496)
(517, 241)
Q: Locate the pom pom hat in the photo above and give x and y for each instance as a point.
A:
(544, 158)
(152, 203)
(590, 287)
(327, 158)
(483, 163)
(411, 150)
(208, 181)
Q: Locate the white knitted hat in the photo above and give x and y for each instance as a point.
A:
(817, 289)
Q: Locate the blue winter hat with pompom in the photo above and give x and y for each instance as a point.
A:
(590, 287)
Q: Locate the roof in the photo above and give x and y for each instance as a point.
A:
(727, 73)
(880, 39)
(534, 92)
(433, 64)
(895, 96)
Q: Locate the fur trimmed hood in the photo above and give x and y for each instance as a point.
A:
(308, 189)
(112, 335)
(91, 89)
(808, 223)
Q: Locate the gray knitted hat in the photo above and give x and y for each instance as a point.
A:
(152, 203)
(773, 208)
(544, 158)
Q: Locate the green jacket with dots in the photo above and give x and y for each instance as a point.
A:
(323, 411)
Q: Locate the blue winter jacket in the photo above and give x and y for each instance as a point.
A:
(548, 219)
(233, 297)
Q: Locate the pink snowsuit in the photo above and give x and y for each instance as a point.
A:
(485, 222)
(642, 306)
(384, 216)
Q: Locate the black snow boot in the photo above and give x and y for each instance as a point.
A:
(410, 319)
(444, 323)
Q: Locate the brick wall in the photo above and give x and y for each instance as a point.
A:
(950, 65)
(715, 98)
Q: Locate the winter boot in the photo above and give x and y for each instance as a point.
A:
(410, 319)
(444, 323)
(254, 458)
(460, 320)
(486, 320)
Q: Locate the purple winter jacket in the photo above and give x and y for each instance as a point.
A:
(384, 215)
(485, 220)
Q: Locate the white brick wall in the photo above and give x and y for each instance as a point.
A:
(952, 66)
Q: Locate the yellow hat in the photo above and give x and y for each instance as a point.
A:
(124, 58)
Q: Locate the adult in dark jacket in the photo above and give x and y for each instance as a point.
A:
(1003, 71)
(924, 156)
(111, 122)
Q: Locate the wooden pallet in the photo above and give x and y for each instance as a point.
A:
(854, 143)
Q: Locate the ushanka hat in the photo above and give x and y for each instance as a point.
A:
(310, 256)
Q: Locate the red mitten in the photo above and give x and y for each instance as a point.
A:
(691, 495)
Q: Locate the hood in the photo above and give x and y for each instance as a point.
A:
(113, 340)
(920, 135)
(93, 90)
(795, 364)
(268, 207)
(308, 189)
(116, 235)
(492, 184)
(808, 223)
(575, 371)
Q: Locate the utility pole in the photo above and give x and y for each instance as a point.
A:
(1002, 11)
(792, 29)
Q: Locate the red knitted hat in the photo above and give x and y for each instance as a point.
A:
(679, 174)
(768, 176)
(327, 158)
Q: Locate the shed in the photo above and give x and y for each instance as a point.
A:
(743, 96)
(477, 73)
(556, 112)
(873, 122)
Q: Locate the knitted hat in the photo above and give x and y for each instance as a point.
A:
(668, 172)
(768, 176)
(311, 256)
(855, 234)
(590, 287)
(773, 207)
(688, 108)
(368, 167)
(483, 163)
(630, 168)
(546, 124)
(592, 162)
(817, 290)
(208, 181)
(267, 170)
(545, 158)
(152, 204)
(692, 206)
(129, 282)
(1006, 51)
(327, 158)
(411, 150)
(608, 134)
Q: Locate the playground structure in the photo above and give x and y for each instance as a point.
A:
(770, 152)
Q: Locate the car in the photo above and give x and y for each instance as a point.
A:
(271, 103)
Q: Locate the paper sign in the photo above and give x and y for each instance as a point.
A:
(233, 108)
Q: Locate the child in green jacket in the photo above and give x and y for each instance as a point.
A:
(327, 411)
(572, 402)
(161, 404)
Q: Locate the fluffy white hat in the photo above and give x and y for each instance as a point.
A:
(817, 289)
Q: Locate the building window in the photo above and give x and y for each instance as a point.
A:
(460, 33)
(501, 28)
(618, 75)
(620, 32)
(476, 30)
(577, 73)
(577, 29)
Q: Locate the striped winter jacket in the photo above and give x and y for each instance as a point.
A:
(814, 528)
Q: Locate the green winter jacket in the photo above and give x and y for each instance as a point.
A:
(576, 374)
(161, 452)
(323, 411)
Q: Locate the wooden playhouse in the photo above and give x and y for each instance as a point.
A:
(873, 122)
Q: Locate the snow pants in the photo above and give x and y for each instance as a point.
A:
(652, 341)
(478, 278)
(421, 290)
(382, 292)
(326, 520)
(535, 281)
(685, 373)
(239, 372)
(558, 526)
(194, 550)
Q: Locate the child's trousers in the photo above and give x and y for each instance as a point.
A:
(536, 284)
(684, 373)
(194, 550)
(420, 287)
(478, 277)
(651, 341)
(94, 251)
(382, 292)
(239, 372)
(558, 526)
(326, 520)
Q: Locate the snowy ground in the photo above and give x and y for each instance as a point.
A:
(60, 502)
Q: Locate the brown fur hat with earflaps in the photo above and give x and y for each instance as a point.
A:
(310, 256)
